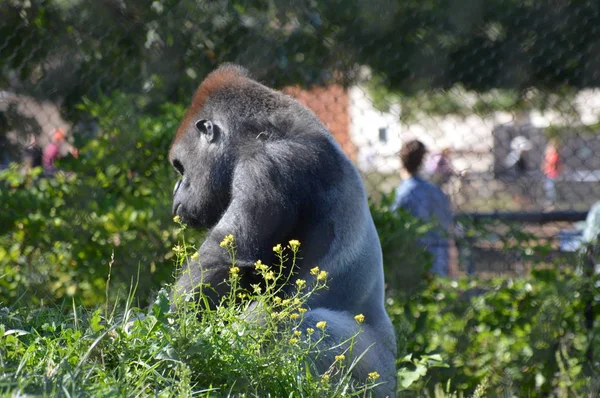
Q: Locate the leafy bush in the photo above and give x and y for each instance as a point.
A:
(405, 262)
(524, 337)
(109, 212)
(60, 233)
(254, 343)
(507, 336)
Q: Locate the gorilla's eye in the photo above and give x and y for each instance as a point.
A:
(178, 166)
(204, 126)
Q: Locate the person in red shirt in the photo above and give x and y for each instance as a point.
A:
(551, 168)
(52, 150)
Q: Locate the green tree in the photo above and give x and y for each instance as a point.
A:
(64, 49)
(111, 208)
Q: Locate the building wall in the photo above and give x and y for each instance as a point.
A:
(377, 135)
(476, 143)
(331, 105)
(468, 136)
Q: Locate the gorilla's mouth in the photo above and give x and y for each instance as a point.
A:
(176, 209)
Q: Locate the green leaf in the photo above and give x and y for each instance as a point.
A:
(95, 321)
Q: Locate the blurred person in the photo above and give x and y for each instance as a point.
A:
(516, 166)
(591, 237)
(428, 203)
(551, 168)
(592, 224)
(32, 154)
(52, 151)
(439, 167)
(516, 162)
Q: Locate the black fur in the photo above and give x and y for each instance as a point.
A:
(272, 172)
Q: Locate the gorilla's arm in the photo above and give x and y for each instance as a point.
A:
(261, 214)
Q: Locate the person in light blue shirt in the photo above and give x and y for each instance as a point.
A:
(428, 203)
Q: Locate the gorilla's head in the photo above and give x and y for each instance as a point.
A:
(204, 155)
(199, 156)
(214, 131)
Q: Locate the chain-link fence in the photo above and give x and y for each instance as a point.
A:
(503, 93)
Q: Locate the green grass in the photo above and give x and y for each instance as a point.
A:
(253, 344)
(500, 337)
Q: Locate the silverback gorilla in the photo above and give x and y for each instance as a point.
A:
(257, 164)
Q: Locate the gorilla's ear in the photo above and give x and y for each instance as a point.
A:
(207, 129)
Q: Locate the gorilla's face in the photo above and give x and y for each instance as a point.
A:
(203, 160)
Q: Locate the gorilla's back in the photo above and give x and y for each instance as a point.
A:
(270, 171)
(353, 256)
(335, 225)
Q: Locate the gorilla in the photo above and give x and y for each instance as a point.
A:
(257, 164)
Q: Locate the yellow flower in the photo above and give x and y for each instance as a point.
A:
(322, 276)
(242, 295)
(373, 376)
(270, 275)
(234, 270)
(195, 256)
(360, 318)
(256, 288)
(294, 244)
(259, 266)
(301, 283)
(321, 325)
(293, 340)
(277, 248)
(325, 378)
(340, 358)
(310, 331)
(302, 310)
(177, 219)
(178, 249)
(285, 302)
(277, 300)
(314, 271)
(297, 333)
(227, 241)
(294, 316)
(297, 301)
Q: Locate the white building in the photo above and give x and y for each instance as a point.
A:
(378, 135)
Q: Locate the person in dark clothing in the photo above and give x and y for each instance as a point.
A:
(32, 154)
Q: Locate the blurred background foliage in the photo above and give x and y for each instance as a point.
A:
(60, 233)
(124, 70)
(113, 206)
(520, 336)
(64, 49)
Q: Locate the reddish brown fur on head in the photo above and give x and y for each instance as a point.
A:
(226, 76)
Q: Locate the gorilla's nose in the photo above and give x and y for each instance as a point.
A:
(177, 184)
